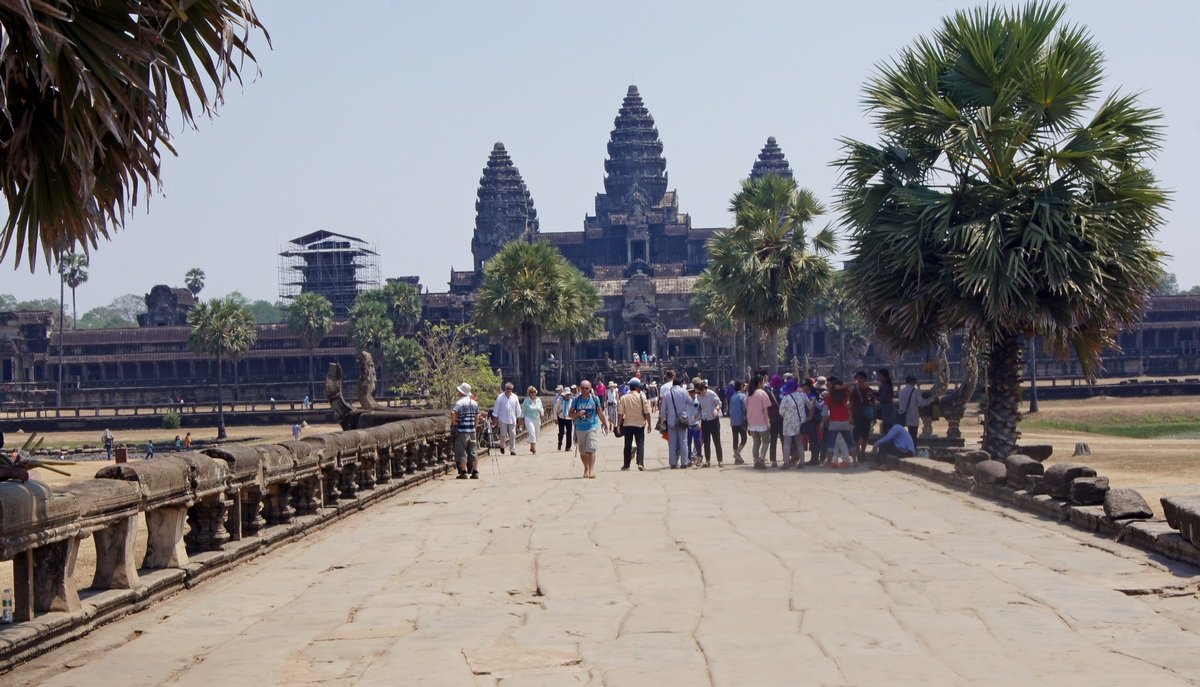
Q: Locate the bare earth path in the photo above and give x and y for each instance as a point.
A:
(723, 577)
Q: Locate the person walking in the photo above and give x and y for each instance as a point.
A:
(187, 441)
(674, 407)
(296, 429)
(633, 414)
(506, 411)
(710, 423)
(887, 400)
(611, 398)
(737, 420)
(794, 409)
(862, 414)
(178, 443)
(587, 411)
(693, 435)
(462, 420)
(532, 410)
(107, 440)
(911, 402)
(562, 415)
(758, 421)
(149, 449)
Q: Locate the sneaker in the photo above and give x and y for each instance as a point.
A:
(738, 461)
(759, 465)
(474, 475)
(461, 475)
(624, 467)
(641, 467)
(720, 464)
(512, 453)
(706, 464)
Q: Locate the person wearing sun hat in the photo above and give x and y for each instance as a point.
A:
(633, 414)
(462, 420)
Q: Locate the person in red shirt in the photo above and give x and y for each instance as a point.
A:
(837, 403)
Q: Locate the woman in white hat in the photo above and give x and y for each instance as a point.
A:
(532, 409)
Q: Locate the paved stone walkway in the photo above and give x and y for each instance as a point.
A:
(667, 577)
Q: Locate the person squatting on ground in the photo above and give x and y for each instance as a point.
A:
(794, 409)
(862, 413)
(896, 443)
(462, 419)
(675, 407)
(737, 421)
(589, 418)
(710, 423)
(758, 422)
(562, 415)
(633, 414)
(532, 410)
(506, 411)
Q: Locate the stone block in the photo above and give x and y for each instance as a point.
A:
(1060, 475)
(1038, 452)
(115, 567)
(1183, 514)
(1123, 503)
(991, 472)
(278, 463)
(1035, 484)
(1088, 491)
(1020, 467)
(964, 462)
(245, 462)
(29, 512)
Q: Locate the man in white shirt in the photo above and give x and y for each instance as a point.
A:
(506, 411)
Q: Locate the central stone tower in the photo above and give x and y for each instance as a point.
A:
(503, 208)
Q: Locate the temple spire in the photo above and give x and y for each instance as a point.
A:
(504, 209)
(635, 159)
(771, 161)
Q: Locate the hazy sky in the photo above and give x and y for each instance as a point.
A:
(376, 118)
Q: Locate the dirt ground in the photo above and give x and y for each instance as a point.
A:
(1155, 467)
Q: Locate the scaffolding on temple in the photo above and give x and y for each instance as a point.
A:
(337, 266)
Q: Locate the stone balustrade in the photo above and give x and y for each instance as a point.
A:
(204, 511)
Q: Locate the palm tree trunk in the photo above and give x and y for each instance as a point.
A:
(221, 434)
(842, 353)
(74, 311)
(774, 351)
(62, 297)
(1000, 425)
(530, 355)
(312, 389)
(237, 388)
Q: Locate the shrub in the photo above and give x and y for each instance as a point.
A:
(172, 421)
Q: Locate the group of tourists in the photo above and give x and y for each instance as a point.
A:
(783, 418)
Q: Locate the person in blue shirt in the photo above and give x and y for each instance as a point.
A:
(897, 443)
(586, 411)
(737, 420)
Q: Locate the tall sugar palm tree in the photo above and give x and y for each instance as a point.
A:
(766, 267)
(73, 269)
(223, 328)
(194, 281)
(403, 304)
(1003, 197)
(371, 329)
(89, 89)
(529, 289)
(310, 317)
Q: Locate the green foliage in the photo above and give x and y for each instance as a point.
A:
(73, 269)
(221, 327)
(122, 312)
(370, 327)
(310, 316)
(194, 280)
(266, 312)
(172, 421)
(400, 301)
(9, 303)
(1167, 284)
(402, 358)
(446, 361)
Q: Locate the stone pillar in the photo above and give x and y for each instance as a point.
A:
(409, 456)
(331, 481)
(114, 555)
(164, 538)
(366, 472)
(306, 495)
(278, 509)
(54, 587)
(383, 465)
(251, 511)
(348, 482)
(207, 521)
(23, 586)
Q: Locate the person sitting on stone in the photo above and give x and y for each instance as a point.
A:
(897, 443)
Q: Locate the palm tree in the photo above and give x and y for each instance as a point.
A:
(221, 327)
(403, 304)
(844, 317)
(528, 289)
(194, 281)
(370, 328)
(765, 267)
(73, 269)
(715, 315)
(1002, 198)
(578, 318)
(90, 89)
(310, 317)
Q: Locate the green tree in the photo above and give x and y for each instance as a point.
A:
(194, 281)
(529, 289)
(89, 90)
(73, 269)
(402, 359)
(844, 318)
(401, 302)
(447, 361)
(223, 328)
(765, 267)
(1002, 198)
(371, 329)
(1167, 284)
(715, 315)
(266, 312)
(310, 317)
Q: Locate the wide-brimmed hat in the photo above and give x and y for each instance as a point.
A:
(821, 381)
(634, 382)
(464, 389)
(558, 388)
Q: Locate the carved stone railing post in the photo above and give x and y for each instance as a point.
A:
(115, 568)
(410, 458)
(278, 509)
(306, 495)
(207, 521)
(383, 465)
(165, 547)
(348, 484)
(252, 503)
(54, 587)
(331, 482)
(367, 466)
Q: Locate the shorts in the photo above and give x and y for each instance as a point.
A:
(464, 447)
(587, 439)
(862, 429)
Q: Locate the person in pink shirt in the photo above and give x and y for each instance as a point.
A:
(758, 421)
